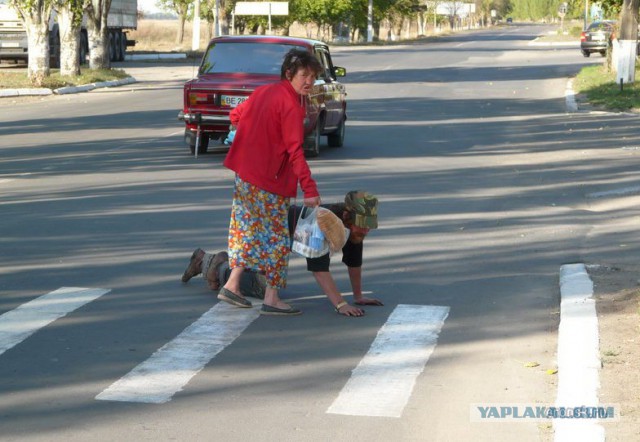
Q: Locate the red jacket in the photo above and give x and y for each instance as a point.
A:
(267, 148)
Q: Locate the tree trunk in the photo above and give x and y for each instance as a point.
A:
(629, 20)
(180, 36)
(69, 42)
(35, 16)
(38, 41)
(98, 31)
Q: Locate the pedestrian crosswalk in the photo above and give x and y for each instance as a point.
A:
(20, 323)
(170, 368)
(380, 385)
(382, 382)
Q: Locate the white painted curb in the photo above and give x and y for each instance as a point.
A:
(155, 57)
(24, 92)
(92, 86)
(570, 97)
(578, 355)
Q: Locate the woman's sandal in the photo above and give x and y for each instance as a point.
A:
(270, 310)
(233, 299)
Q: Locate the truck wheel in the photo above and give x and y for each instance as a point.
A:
(112, 47)
(336, 139)
(123, 45)
(54, 50)
(83, 50)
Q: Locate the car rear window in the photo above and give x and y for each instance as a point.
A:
(600, 27)
(251, 58)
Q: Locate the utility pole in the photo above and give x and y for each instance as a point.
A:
(195, 40)
(216, 24)
(370, 22)
(586, 15)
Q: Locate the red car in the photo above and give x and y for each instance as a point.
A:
(234, 66)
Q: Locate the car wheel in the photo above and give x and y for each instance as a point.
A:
(336, 139)
(204, 145)
(603, 53)
(586, 53)
(312, 143)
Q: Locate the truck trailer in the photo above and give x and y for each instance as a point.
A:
(123, 16)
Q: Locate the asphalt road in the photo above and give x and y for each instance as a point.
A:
(486, 186)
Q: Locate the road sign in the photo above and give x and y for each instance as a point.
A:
(262, 8)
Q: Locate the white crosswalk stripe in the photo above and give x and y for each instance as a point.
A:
(169, 369)
(380, 385)
(20, 323)
(382, 382)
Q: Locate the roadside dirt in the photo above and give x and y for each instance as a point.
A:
(617, 293)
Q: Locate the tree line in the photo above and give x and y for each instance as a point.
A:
(329, 16)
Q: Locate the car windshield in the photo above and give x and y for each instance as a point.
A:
(251, 58)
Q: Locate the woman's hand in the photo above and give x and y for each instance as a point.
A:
(312, 202)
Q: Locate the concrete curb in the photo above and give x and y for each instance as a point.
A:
(64, 90)
(536, 42)
(155, 56)
(92, 86)
(570, 97)
(578, 355)
(25, 92)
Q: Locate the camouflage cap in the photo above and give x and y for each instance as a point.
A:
(363, 208)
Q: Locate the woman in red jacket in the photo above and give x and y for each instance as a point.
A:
(268, 160)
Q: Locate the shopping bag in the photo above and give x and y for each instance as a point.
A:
(308, 239)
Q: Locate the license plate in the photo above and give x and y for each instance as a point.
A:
(598, 37)
(10, 44)
(232, 100)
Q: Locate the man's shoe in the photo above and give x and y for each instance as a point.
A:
(212, 276)
(195, 265)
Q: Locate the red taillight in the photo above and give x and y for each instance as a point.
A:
(583, 36)
(196, 98)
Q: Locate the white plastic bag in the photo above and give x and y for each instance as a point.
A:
(308, 239)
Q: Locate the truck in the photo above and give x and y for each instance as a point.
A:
(123, 16)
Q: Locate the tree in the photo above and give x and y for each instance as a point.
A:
(97, 11)
(629, 20)
(182, 9)
(483, 10)
(36, 14)
(611, 8)
(69, 24)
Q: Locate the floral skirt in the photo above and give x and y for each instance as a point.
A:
(258, 232)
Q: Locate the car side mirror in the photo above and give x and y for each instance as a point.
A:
(340, 71)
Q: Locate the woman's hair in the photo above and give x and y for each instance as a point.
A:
(297, 59)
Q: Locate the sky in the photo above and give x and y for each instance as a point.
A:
(148, 6)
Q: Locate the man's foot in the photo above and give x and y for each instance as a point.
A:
(233, 299)
(195, 265)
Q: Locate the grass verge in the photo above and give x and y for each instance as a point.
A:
(600, 88)
(19, 80)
